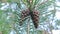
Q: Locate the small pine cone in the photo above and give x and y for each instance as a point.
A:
(36, 18)
(24, 14)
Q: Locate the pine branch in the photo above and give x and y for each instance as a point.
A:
(41, 3)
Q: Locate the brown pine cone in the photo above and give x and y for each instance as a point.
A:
(35, 18)
(23, 15)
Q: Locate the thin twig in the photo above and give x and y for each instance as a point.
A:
(24, 18)
(28, 26)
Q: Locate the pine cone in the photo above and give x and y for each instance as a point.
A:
(35, 18)
(24, 14)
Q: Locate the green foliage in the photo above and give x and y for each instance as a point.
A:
(10, 19)
(58, 22)
(4, 27)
